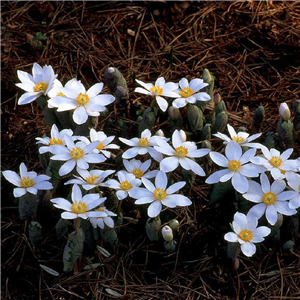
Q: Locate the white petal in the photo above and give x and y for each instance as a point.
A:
(240, 183)
(169, 164)
(248, 249)
(80, 115)
(154, 209)
(231, 237)
(233, 151)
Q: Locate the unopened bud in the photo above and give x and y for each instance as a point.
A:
(207, 77)
(284, 111)
(217, 98)
(183, 135)
(174, 113)
(167, 233)
(110, 70)
(174, 224)
(160, 133)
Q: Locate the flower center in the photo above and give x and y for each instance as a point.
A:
(82, 99)
(181, 151)
(159, 194)
(138, 173)
(60, 94)
(143, 142)
(79, 207)
(234, 165)
(77, 153)
(276, 161)
(246, 235)
(186, 92)
(41, 87)
(91, 179)
(238, 139)
(100, 209)
(55, 141)
(26, 182)
(125, 185)
(156, 90)
(100, 146)
(269, 198)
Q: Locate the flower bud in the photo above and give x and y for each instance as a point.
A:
(160, 133)
(167, 233)
(110, 70)
(217, 98)
(284, 111)
(174, 224)
(183, 135)
(174, 113)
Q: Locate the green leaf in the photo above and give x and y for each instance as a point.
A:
(73, 249)
(153, 229)
(35, 233)
(221, 191)
(195, 117)
(27, 206)
(61, 228)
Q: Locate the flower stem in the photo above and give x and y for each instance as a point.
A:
(119, 207)
(77, 224)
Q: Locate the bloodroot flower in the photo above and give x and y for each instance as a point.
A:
(246, 233)
(81, 206)
(159, 194)
(27, 181)
(39, 83)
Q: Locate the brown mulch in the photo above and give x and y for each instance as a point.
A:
(251, 48)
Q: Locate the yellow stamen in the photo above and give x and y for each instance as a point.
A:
(143, 142)
(82, 99)
(186, 92)
(181, 151)
(60, 94)
(125, 185)
(41, 87)
(55, 141)
(276, 161)
(100, 146)
(159, 194)
(269, 198)
(157, 90)
(26, 182)
(238, 139)
(91, 179)
(234, 165)
(138, 173)
(77, 153)
(79, 207)
(246, 235)
(100, 209)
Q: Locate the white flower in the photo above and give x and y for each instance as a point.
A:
(160, 88)
(237, 167)
(101, 221)
(143, 145)
(189, 92)
(125, 184)
(284, 111)
(27, 181)
(180, 154)
(270, 198)
(79, 155)
(39, 83)
(246, 233)
(241, 138)
(84, 103)
(275, 162)
(104, 142)
(159, 194)
(139, 169)
(293, 181)
(81, 206)
(167, 233)
(90, 179)
(57, 138)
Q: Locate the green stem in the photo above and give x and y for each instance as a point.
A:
(119, 207)
(77, 224)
